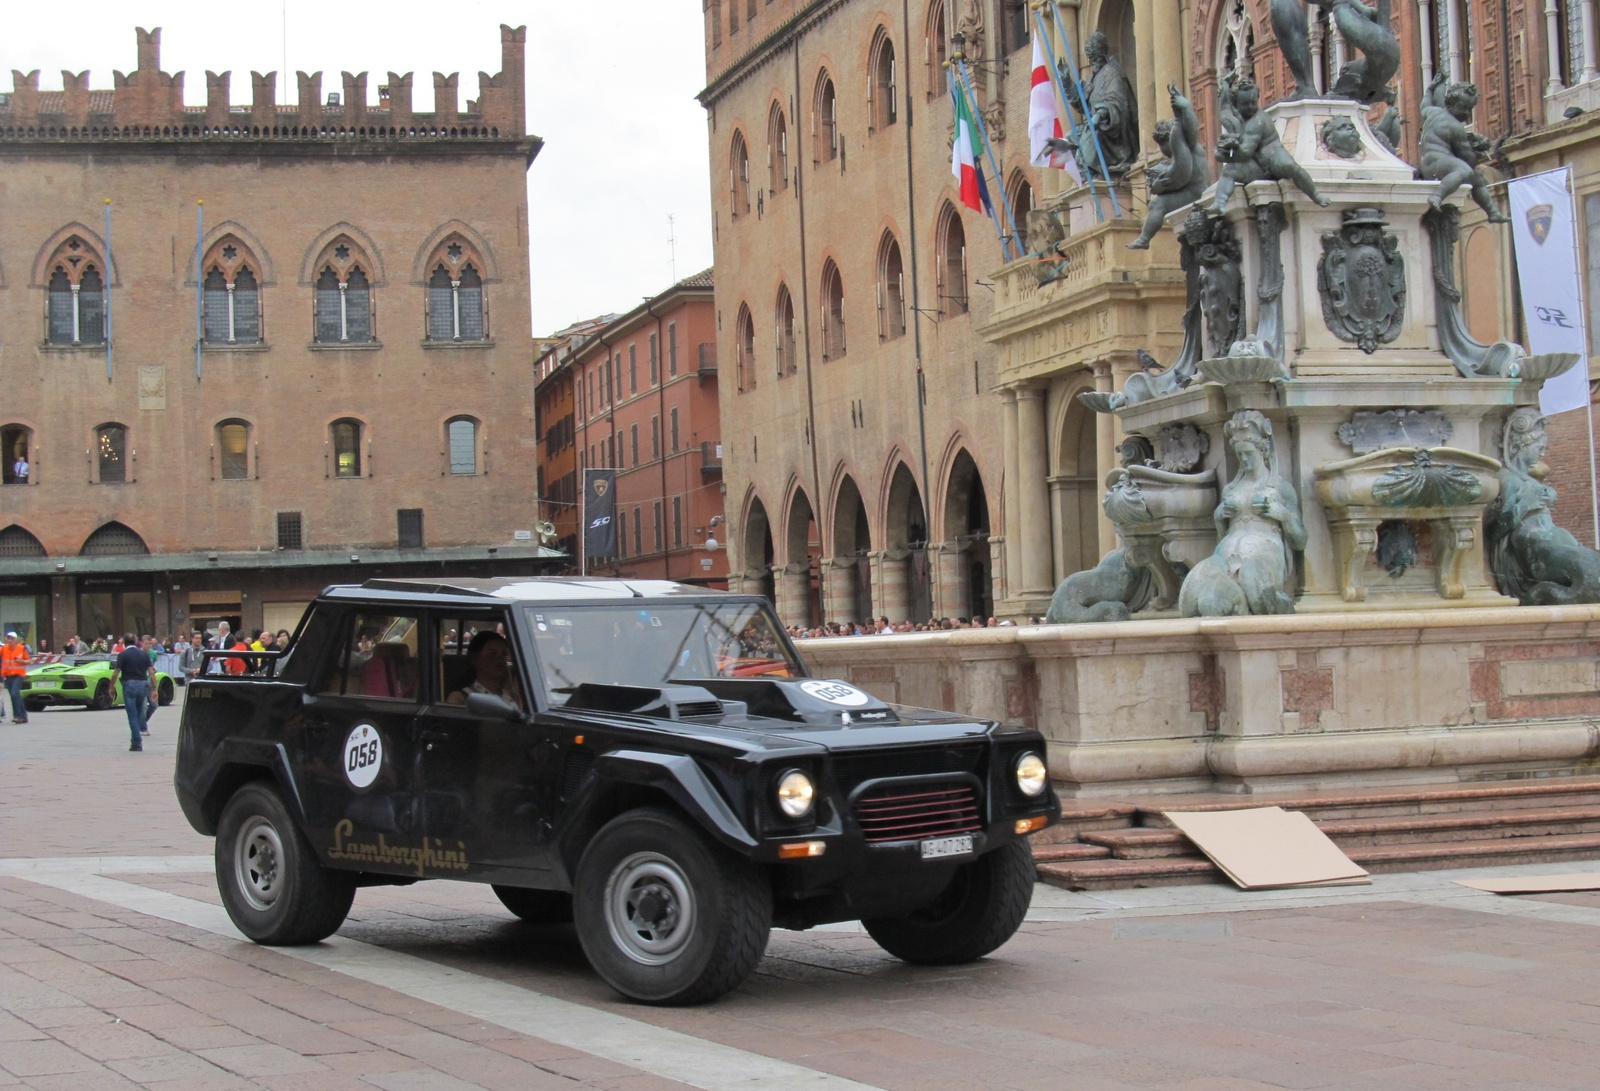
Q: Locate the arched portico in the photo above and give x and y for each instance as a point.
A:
(798, 600)
(902, 565)
(964, 573)
(848, 584)
(757, 552)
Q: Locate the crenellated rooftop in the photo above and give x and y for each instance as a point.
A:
(148, 103)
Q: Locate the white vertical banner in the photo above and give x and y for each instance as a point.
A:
(1543, 219)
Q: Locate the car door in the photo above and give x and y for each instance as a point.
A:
(485, 783)
(359, 746)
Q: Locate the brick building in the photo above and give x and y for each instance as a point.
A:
(882, 350)
(863, 452)
(326, 380)
(645, 388)
(554, 422)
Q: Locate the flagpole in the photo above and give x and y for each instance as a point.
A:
(1088, 114)
(199, 280)
(994, 164)
(106, 302)
(583, 522)
(957, 105)
(1066, 105)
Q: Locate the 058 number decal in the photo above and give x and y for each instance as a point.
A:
(363, 755)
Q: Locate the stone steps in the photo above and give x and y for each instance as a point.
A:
(1130, 844)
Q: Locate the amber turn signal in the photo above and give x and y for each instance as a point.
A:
(1028, 825)
(797, 850)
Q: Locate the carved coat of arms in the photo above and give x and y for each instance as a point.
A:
(1362, 280)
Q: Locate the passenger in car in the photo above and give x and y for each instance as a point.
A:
(492, 670)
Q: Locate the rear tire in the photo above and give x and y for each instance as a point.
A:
(102, 696)
(665, 915)
(536, 906)
(271, 884)
(164, 693)
(980, 910)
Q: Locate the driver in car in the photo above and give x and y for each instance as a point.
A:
(492, 671)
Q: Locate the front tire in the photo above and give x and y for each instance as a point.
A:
(164, 693)
(664, 915)
(980, 910)
(271, 884)
(536, 906)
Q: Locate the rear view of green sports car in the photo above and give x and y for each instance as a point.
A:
(82, 680)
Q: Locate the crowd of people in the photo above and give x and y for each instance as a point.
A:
(884, 627)
(223, 639)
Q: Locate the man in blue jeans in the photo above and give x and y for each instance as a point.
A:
(138, 676)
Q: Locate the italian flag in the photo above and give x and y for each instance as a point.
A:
(1044, 121)
(964, 156)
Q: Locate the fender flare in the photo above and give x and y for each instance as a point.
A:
(268, 756)
(677, 776)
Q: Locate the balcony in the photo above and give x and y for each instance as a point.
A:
(710, 459)
(708, 360)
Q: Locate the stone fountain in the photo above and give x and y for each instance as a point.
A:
(1330, 500)
(1344, 430)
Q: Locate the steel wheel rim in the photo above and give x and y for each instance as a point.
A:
(258, 863)
(650, 908)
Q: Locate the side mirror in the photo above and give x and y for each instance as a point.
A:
(492, 706)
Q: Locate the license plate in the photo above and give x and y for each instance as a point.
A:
(947, 846)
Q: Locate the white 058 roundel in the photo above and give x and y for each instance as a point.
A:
(363, 755)
(835, 693)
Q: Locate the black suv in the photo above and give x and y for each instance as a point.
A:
(649, 760)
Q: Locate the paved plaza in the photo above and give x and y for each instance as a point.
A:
(119, 969)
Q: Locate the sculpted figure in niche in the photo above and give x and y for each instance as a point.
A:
(1182, 177)
(1451, 152)
(1250, 147)
(1259, 527)
(1535, 561)
(1115, 109)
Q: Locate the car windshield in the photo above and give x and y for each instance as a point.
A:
(646, 646)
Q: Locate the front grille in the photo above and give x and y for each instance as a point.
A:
(917, 812)
(851, 769)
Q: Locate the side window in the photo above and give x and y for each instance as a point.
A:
(457, 670)
(309, 644)
(377, 659)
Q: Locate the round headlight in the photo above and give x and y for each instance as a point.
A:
(1032, 776)
(795, 794)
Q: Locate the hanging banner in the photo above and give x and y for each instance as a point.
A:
(599, 514)
(1542, 224)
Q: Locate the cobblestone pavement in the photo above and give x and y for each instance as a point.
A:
(118, 969)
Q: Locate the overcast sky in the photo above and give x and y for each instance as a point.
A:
(610, 89)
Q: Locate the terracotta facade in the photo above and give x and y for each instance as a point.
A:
(645, 390)
(359, 401)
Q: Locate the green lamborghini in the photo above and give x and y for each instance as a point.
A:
(82, 680)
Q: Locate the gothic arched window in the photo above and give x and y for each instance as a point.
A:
(457, 310)
(231, 294)
(343, 300)
(891, 289)
(76, 305)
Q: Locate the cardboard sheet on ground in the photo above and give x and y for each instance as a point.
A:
(1264, 848)
(1536, 884)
